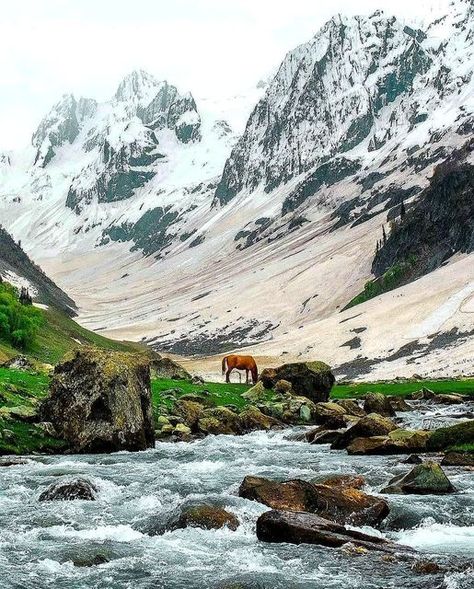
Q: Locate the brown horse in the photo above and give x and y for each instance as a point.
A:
(246, 363)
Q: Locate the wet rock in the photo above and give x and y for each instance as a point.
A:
(445, 437)
(219, 420)
(351, 407)
(167, 368)
(458, 459)
(413, 459)
(70, 491)
(347, 481)
(371, 425)
(91, 561)
(12, 462)
(324, 412)
(100, 401)
(398, 441)
(423, 394)
(308, 528)
(426, 567)
(378, 403)
(309, 379)
(207, 517)
(336, 502)
(252, 419)
(452, 399)
(399, 404)
(328, 436)
(424, 479)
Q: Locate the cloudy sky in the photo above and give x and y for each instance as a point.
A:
(210, 47)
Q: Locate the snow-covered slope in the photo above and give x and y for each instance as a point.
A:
(165, 225)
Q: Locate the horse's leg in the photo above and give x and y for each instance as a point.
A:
(246, 376)
(227, 374)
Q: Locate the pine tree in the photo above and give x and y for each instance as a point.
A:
(25, 297)
(384, 235)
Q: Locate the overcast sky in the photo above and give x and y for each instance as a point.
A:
(210, 47)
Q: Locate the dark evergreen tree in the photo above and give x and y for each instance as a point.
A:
(402, 210)
(384, 235)
(25, 297)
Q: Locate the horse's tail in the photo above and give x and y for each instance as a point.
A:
(254, 370)
(224, 362)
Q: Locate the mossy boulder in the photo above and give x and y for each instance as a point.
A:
(368, 426)
(351, 407)
(252, 419)
(325, 412)
(399, 404)
(399, 441)
(219, 420)
(378, 403)
(458, 459)
(256, 394)
(167, 368)
(309, 379)
(444, 437)
(424, 479)
(100, 401)
(189, 411)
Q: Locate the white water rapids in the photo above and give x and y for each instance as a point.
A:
(40, 541)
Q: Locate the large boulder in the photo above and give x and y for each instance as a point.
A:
(335, 502)
(309, 379)
(100, 401)
(252, 419)
(399, 441)
(444, 437)
(378, 403)
(189, 411)
(368, 426)
(424, 479)
(307, 528)
(219, 420)
(167, 368)
(326, 411)
(456, 459)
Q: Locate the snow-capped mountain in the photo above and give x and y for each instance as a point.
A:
(164, 224)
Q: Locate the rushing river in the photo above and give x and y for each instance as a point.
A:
(40, 541)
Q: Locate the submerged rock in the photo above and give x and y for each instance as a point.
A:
(70, 491)
(308, 528)
(336, 502)
(100, 401)
(207, 517)
(424, 479)
(308, 379)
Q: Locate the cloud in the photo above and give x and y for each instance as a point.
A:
(209, 47)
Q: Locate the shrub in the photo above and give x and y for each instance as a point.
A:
(19, 323)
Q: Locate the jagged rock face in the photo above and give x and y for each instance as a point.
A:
(437, 226)
(100, 401)
(61, 125)
(359, 83)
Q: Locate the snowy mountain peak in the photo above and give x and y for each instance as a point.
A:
(138, 87)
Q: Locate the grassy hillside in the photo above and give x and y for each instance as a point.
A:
(59, 334)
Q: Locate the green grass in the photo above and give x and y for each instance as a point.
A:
(403, 388)
(219, 393)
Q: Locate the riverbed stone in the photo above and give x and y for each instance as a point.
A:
(398, 404)
(100, 401)
(351, 407)
(326, 411)
(252, 419)
(368, 426)
(190, 411)
(398, 441)
(458, 459)
(347, 481)
(424, 479)
(445, 437)
(308, 528)
(69, 491)
(207, 517)
(336, 502)
(378, 403)
(309, 379)
(219, 420)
